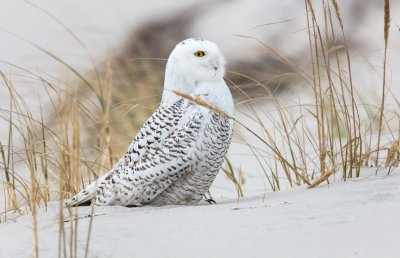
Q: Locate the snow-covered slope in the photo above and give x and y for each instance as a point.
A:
(358, 218)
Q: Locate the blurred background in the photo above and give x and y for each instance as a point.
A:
(123, 46)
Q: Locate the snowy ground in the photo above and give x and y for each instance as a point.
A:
(358, 218)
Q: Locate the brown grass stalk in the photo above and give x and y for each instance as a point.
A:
(386, 27)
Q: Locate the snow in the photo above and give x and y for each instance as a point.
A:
(357, 218)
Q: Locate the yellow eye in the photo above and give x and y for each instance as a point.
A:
(199, 53)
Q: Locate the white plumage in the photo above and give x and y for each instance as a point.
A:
(179, 150)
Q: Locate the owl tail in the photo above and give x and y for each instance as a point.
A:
(85, 196)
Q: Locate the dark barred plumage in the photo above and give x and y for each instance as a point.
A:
(173, 159)
(178, 152)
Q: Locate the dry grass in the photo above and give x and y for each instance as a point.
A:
(386, 37)
(294, 143)
(330, 127)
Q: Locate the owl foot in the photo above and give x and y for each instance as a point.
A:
(210, 201)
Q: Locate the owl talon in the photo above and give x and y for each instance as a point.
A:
(210, 201)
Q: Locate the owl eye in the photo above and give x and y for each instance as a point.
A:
(199, 53)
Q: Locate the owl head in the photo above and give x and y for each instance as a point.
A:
(192, 62)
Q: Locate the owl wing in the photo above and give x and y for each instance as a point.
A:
(157, 169)
(159, 154)
(154, 131)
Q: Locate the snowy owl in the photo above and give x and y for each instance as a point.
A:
(180, 149)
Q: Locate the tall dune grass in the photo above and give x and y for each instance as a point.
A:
(333, 126)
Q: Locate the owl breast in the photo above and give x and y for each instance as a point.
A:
(208, 156)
